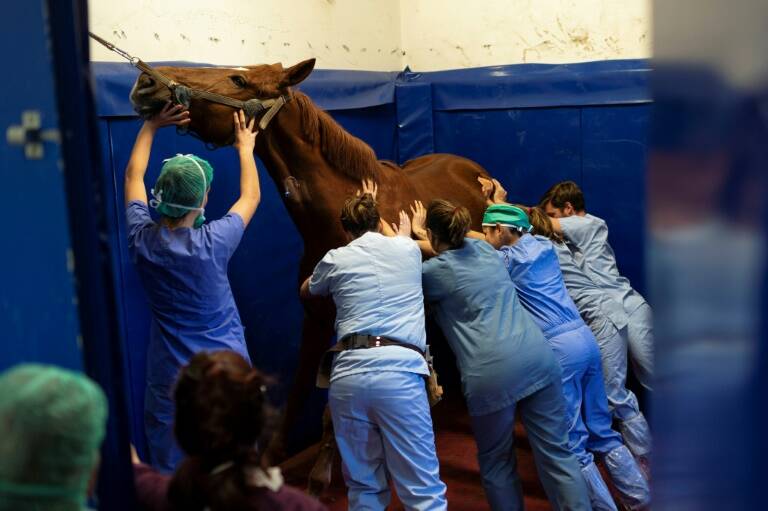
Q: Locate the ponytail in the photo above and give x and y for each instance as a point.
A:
(448, 223)
(541, 223)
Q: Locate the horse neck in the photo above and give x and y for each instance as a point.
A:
(315, 188)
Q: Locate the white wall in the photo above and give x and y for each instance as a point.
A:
(375, 34)
(341, 34)
(447, 34)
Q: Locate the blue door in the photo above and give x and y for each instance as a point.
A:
(57, 304)
(38, 305)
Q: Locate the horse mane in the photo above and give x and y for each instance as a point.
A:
(344, 151)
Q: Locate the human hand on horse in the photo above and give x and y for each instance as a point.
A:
(418, 223)
(492, 190)
(404, 228)
(170, 114)
(369, 186)
(245, 135)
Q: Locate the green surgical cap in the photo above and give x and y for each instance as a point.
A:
(508, 216)
(52, 423)
(182, 184)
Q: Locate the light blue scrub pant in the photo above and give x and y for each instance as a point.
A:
(589, 421)
(383, 428)
(622, 403)
(639, 335)
(542, 415)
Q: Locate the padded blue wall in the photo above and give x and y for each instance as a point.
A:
(529, 125)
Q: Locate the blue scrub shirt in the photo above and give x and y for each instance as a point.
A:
(534, 268)
(501, 353)
(184, 275)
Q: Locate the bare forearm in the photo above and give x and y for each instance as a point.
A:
(250, 188)
(426, 248)
(249, 177)
(475, 235)
(137, 164)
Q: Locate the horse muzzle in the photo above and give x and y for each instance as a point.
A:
(147, 96)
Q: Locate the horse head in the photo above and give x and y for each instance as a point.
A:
(212, 120)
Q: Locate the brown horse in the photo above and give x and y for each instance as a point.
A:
(316, 165)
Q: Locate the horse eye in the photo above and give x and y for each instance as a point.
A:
(239, 81)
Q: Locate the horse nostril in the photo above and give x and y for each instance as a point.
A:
(145, 84)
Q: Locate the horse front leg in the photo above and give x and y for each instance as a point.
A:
(316, 335)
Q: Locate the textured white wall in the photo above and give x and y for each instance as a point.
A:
(375, 34)
(447, 34)
(341, 34)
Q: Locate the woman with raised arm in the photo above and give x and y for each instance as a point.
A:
(182, 263)
(377, 395)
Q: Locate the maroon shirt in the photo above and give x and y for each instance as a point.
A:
(152, 491)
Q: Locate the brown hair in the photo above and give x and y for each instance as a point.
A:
(448, 223)
(541, 224)
(360, 214)
(565, 191)
(221, 417)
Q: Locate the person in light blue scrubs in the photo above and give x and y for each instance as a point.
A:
(534, 269)
(182, 264)
(564, 203)
(506, 366)
(607, 320)
(377, 396)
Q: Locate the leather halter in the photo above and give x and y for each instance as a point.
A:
(183, 94)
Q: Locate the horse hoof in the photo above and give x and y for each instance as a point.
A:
(320, 475)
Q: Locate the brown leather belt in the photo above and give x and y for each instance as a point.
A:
(354, 342)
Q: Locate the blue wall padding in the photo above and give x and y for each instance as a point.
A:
(529, 125)
(416, 133)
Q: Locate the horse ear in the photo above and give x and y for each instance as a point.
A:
(297, 73)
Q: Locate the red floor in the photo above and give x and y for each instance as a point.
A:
(458, 466)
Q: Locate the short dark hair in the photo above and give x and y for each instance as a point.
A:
(360, 214)
(565, 191)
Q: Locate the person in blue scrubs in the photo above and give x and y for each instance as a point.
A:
(377, 396)
(564, 203)
(182, 264)
(607, 320)
(506, 366)
(534, 269)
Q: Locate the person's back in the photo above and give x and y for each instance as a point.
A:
(594, 305)
(590, 235)
(184, 275)
(534, 269)
(501, 353)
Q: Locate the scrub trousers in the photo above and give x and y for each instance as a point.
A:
(639, 335)
(383, 428)
(622, 403)
(164, 453)
(542, 415)
(589, 421)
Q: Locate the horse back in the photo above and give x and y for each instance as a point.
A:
(449, 177)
